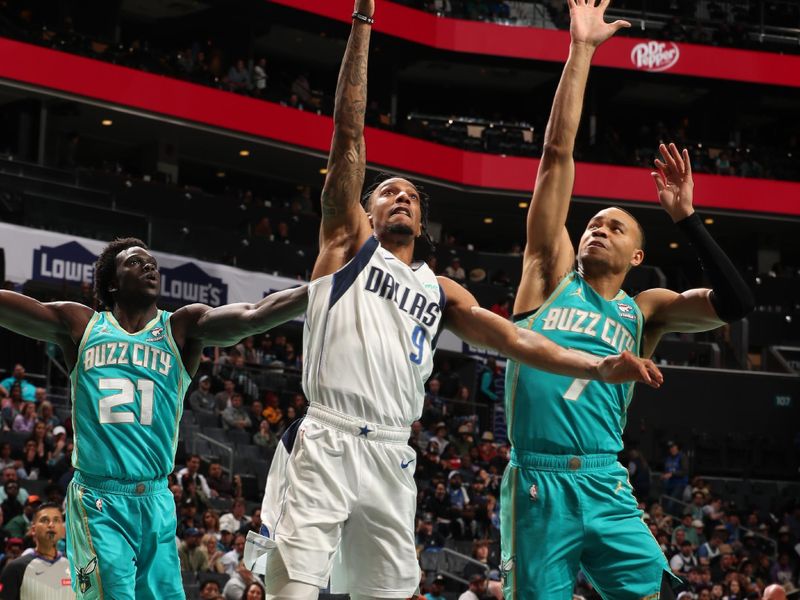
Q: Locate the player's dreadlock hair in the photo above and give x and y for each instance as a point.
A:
(106, 267)
(424, 202)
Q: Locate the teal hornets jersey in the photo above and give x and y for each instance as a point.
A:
(127, 399)
(553, 414)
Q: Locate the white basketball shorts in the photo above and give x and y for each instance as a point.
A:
(339, 484)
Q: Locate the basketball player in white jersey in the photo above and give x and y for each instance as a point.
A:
(340, 480)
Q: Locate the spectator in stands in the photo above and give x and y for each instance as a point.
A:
(480, 553)
(232, 558)
(685, 560)
(12, 405)
(639, 472)
(14, 548)
(238, 586)
(41, 437)
(219, 482)
(27, 389)
(478, 588)
(236, 519)
(502, 308)
(302, 89)
(6, 460)
(193, 558)
(440, 437)
(209, 590)
(426, 536)
(202, 400)
(34, 465)
(676, 470)
(687, 527)
(711, 549)
(26, 419)
(254, 591)
(492, 381)
(256, 412)
(223, 398)
(265, 438)
(433, 398)
(188, 514)
(192, 472)
(19, 525)
(60, 461)
(47, 416)
(210, 523)
(254, 524)
(238, 78)
(712, 512)
(455, 271)
(486, 449)
(699, 531)
(272, 413)
(733, 527)
(782, 571)
(260, 77)
(437, 589)
(235, 416)
(10, 475)
(213, 553)
(696, 507)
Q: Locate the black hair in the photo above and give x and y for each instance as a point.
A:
(424, 201)
(105, 269)
(45, 506)
(639, 225)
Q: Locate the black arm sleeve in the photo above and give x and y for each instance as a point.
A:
(730, 296)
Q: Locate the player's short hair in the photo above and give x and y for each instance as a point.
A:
(424, 201)
(638, 225)
(106, 268)
(45, 506)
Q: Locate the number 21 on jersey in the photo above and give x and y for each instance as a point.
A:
(126, 394)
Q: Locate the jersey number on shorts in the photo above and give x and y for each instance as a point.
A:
(126, 395)
(418, 339)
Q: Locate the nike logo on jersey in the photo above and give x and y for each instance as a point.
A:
(404, 465)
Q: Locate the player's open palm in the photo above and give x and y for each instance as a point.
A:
(620, 368)
(587, 25)
(674, 182)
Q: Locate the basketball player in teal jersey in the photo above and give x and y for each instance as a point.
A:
(130, 368)
(566, 501)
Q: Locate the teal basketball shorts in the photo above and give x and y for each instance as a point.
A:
(121, 539)
(562, 513)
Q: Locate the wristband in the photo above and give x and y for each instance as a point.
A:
(363, 18)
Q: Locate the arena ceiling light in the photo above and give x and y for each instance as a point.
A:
(523, 205)
(106, 122)
(323, 171)
(220, 174)
(488, 220)
(673, 245)
(709, 221)
(244, 153)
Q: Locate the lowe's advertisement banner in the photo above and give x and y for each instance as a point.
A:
(36, 255)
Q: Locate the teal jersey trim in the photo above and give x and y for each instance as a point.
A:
(553, 414)
(127, 399)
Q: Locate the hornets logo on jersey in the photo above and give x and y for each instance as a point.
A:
(127, 399)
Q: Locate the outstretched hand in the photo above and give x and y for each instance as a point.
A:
(587, 25)
(674, 182)
(624, 367)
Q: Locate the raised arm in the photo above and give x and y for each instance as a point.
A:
(701, 309)
(344, 223)
(485, 329)
(61, 323)
(548, 252)
(197, 325)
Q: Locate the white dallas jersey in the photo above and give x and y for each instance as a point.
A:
(369, 337)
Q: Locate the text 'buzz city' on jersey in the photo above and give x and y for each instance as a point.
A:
(127, 400)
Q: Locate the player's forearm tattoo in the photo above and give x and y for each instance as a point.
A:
(347, 160)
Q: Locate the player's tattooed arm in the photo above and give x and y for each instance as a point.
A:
(62, 323)
(347, 160)
(549, 253)
(485, 329)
